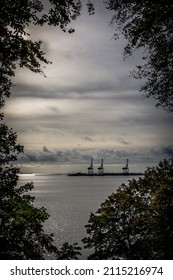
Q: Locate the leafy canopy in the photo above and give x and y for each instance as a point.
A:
(15, 43)
(22, 234)
(148, 25)
(136, 222)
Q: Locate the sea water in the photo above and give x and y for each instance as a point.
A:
(69, 200)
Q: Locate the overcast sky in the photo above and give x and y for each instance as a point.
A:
(88, 106)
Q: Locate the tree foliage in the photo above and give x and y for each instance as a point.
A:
(149, 25)
(136, 222)
(22, 233)
(15, 43)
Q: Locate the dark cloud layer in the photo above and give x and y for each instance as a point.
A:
(80, 156)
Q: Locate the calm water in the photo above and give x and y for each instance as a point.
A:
(70, 200)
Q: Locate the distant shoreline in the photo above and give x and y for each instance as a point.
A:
(106, 174)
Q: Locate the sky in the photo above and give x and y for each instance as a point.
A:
(88, 105)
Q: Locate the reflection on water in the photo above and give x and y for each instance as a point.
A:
(70, 200)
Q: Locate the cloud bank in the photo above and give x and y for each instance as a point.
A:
(88, 104)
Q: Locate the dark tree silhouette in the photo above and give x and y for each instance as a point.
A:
(136, 222)
(22, 234)
(148, 25)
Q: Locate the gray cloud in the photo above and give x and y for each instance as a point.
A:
(167, 152)
(88, 138)
(125, 88)
(121, 140)
(83, 156)
(87, 100)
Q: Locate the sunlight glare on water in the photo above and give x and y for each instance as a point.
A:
(70, 200)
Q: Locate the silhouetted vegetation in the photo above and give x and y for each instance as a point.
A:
(148, 25)
(22, 234)
(136, 222)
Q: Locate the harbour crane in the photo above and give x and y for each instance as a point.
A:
(90, 168)
(101, 168)
(126, 167)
